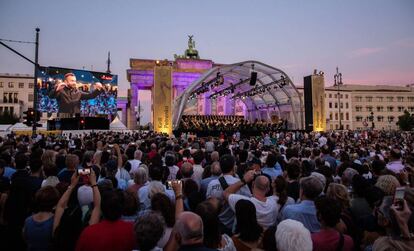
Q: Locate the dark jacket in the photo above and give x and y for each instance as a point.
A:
(69, 99)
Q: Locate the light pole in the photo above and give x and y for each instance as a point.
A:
(338, 82)
(372, 120)
(138, 111)
(36, 67)
(35, 87)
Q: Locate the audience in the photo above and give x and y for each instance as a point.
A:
(346, 190)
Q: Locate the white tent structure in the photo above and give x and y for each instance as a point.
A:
(22, 127)
(4, 128)
(19, 127)
(116, 124)
(272, 92)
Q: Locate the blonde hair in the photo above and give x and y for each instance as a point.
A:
(340, 193)
(49, 158)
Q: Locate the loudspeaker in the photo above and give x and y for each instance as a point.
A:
(308, 103)
(253, 78)
(314, 94)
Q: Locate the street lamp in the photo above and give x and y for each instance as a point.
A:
(372, 120)
(338, 82)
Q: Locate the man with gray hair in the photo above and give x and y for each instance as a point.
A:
(291, 235)
(215, 156)
(215, 171)
(305, 212)
(136, 162)
(149, 229)
(189, 232)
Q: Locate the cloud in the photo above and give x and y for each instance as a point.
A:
(361, 52)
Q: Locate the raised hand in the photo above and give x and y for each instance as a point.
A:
(60, 86)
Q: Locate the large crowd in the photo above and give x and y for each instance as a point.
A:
(282, 191)
(207, 125)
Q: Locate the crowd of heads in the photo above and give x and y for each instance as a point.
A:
(281, 191)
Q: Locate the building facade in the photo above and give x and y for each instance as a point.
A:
(16, 93)
(358, 107)
(379, 106)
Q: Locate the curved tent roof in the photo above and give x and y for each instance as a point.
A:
(273, 90)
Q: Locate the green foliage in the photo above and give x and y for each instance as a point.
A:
(7, 117)
(406, 121)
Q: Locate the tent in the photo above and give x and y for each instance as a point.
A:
(4, 127)
(116, 124)
(19, 127)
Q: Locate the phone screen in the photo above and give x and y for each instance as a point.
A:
(84, 171)
(399, 193)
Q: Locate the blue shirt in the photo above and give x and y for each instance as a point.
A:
(331, 160)
(38, 235)
(273, 172)
(8, 172)
(304, 212)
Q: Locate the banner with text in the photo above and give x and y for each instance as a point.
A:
(162, 99)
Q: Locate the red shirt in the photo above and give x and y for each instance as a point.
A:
(329, 240)
(107, 235)
(152, 154)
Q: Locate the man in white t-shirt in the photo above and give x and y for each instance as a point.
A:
(266, 208)
(215, 189)
(136, 162)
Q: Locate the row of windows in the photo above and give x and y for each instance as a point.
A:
(337, 127)
(7, 109)
(336, 105)
(371, 118)
(11, 85)
(336, 116)
(336, 95)
(381, 99)
(381, 108)
(10, 97)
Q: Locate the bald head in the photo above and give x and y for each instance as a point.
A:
(189, 227)
(261, 183)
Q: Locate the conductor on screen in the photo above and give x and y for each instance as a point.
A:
(69, 97)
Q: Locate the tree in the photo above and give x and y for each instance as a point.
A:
(7, 117)
(406, 121)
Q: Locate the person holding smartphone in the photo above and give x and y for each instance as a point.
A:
(403, 241)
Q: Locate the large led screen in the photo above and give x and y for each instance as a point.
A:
(72, 91)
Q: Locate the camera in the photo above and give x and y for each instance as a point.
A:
(169, 184)
(84, 171)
